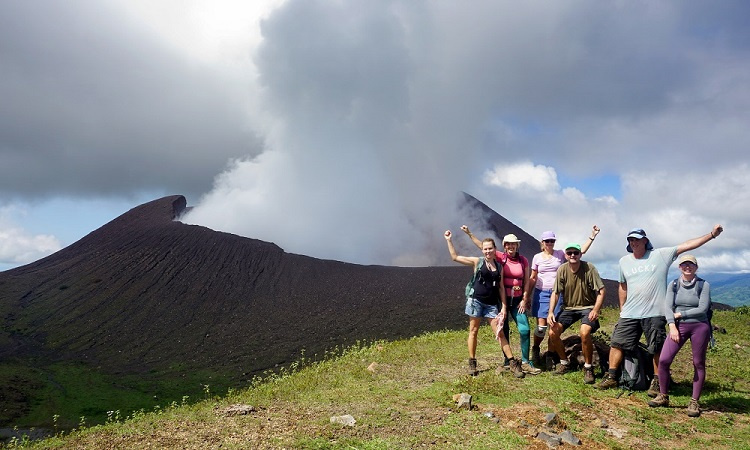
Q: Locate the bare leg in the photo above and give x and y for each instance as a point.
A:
(474, 323)
(555, 343)
(587, 344)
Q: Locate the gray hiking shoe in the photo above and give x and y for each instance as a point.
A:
(660, 400)
(653, 390)
(608, 382)
(588, 375)
(473, 367)
(530, 369)
(562, 368)
(693, 409)
(515, 368)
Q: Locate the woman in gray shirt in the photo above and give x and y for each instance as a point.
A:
(686, 309)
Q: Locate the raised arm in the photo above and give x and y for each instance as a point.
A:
(700, 240)
(585, 247)
(465, 260)
(474, 239)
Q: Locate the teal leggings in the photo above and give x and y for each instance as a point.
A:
(522, 322)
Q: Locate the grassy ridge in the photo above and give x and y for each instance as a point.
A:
(405, 400)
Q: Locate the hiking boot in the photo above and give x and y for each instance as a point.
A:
(693, 409)
(536, 358)
(562, 368)
(530, 369)
(515, 368)
(505, 367)
(660, 400)
(473, 367)
(588, 375)
(608, 382)
(653, 390)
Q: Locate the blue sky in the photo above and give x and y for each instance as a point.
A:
(345, 129)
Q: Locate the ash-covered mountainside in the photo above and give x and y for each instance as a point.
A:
(147, 292)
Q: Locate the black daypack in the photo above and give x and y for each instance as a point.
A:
(637, 369)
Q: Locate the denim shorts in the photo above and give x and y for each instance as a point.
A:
(540, 303)
(475, 308)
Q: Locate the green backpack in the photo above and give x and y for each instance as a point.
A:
(477, 273)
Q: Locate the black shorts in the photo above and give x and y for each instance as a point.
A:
(628, 332)
(568, 317)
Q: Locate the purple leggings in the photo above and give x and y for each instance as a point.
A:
(699, 334)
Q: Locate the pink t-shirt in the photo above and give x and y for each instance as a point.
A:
(547, 268)
(513, 273)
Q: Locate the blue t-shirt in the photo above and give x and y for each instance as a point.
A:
(646, 280)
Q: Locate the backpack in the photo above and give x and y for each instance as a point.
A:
(477, 273)
(637, 369)
(709, 313)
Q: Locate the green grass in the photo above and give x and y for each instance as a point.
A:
(406, 401)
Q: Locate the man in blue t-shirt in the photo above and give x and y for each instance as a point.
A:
(643, 285)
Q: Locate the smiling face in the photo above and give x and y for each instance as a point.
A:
(548, 245)
(688, 270)
(638, 245)
(573, 255)
(488, 249)
(510, 248)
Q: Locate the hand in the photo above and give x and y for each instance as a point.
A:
(678, 315)
(717, 231)
(593, 315)
(448, 235)
(595, 230)
(465, 229)
(674, 334)
(523, 306)
(551, 319)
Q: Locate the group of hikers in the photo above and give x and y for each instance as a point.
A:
(560, 289)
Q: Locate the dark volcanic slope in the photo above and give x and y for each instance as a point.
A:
(147, 292)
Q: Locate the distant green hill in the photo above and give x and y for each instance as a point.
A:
(730, 289)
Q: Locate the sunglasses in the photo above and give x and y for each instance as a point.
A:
(549, 241)
(573, 253)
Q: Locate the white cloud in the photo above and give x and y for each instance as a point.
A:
(372, 116)
(523, 175)
(18, 246)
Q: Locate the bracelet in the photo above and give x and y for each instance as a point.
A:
(591, 238)
(712, 235)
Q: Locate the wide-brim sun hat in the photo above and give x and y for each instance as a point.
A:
(511, 238)
(638, 233)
